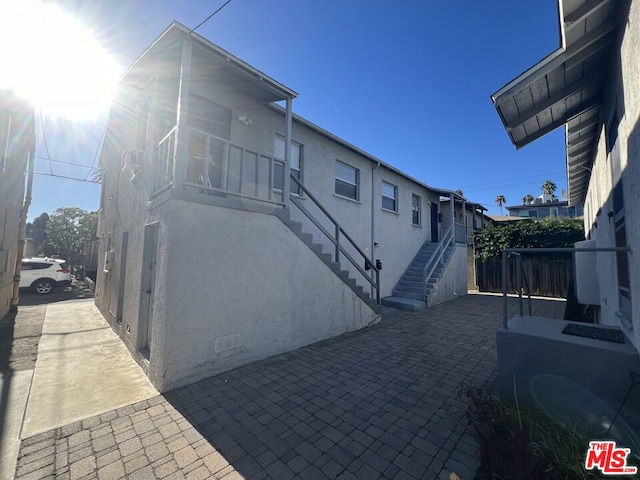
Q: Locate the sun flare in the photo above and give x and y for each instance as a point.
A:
(53, 61)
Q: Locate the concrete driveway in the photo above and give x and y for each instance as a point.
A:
(378, 403)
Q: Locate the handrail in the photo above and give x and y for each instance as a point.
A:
(339, 232)
(167, 135)
(520, 277)
(518, 251)
(436, 257)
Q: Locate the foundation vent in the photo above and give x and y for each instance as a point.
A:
(230, 342)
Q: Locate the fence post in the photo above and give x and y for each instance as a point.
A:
(519, 283)
(504, 289)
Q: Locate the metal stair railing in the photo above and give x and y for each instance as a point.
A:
(507, 252)
(337, 237)
(436, 257)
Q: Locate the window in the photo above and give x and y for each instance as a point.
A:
(619, 225)
(296, 165)
(347, 181)
(389, 197)
(416, 210)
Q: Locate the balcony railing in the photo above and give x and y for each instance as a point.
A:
(460, 233)
(215, 165)
(163, 173)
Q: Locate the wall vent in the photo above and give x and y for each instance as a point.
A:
(230, 342)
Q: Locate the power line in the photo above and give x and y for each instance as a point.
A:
(63, 162)
(95, 156)
(498, 182)
(44, 174)
(46, 146)
(210, 16)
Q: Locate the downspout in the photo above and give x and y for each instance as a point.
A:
(373, 223)
(22, 234)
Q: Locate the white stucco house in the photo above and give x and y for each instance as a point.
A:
(589, 86)
(231, 229)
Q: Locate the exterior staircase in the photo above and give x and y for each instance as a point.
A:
(327, 259)
(409, 292)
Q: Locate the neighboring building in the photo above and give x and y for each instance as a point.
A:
(589, 85)
(17, 144)
(34, 241)
(543, 209)
(90, 259)
(211, 255)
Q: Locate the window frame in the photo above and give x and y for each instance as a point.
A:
(355, 186)
(279, 162)
(416, 209)
(394, 198)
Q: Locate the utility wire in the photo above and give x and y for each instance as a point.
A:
(46, 146)
(44, 174)
(95, 156)
(498, 182)
(209, 17)
(39, 157)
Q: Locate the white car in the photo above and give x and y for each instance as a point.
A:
(42, 275)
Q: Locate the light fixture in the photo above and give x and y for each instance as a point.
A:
(247, 121)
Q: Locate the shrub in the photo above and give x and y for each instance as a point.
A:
(519, 442)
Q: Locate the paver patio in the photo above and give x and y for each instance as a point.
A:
(377, 403)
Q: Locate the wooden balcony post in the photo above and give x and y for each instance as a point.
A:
(181, 147)
(286, 189)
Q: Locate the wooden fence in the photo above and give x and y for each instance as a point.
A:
(547, 276)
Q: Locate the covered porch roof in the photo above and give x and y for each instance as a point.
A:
(228, 69)
(565, 88)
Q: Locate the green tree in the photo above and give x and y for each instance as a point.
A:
(41, 220)
(68, 229)
(500, 201)
(459, 192)
(549, 232)
(527, 199)
(548, 187)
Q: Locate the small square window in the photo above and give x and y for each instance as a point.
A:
(389, 197)
(347, 181)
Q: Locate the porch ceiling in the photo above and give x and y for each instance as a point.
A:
(565, 88)
(209, 59)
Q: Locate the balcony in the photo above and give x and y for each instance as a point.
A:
(215, 167)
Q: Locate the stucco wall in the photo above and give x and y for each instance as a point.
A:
(621, 97)
(230, 272)
(453, 282)
(16, 118)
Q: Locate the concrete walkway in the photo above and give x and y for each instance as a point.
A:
(378, 403)
(83, 369)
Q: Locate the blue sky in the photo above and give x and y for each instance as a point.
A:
(407, 81)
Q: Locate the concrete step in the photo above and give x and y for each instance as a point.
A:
(404, 303)
(411, 295)
(404, 282)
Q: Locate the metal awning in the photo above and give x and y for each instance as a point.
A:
(565, 88)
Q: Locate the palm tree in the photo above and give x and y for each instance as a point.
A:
(548, 187)
(527, 199)
(459, 193)
(501, 200)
